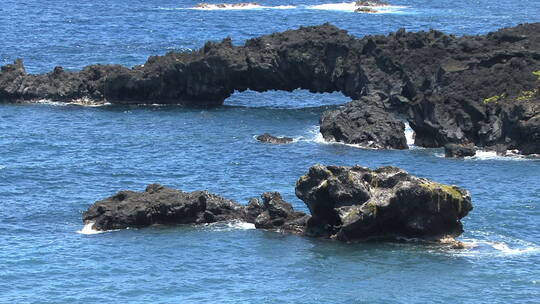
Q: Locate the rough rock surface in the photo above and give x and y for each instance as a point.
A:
(452, 88)
(275, 213)
(268, 138)
(346, 203)
(363, 122)
(162, 205)
(459, 151)
(356, 203)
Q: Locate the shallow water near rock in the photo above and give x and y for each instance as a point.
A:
(55, 160)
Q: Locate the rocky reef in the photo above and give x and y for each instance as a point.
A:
(470, 89)
(271, 139)
(346, 203)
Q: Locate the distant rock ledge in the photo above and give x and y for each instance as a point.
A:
(346, 203)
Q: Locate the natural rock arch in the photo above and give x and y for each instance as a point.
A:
(444, 83)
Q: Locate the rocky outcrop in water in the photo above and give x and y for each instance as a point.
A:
(371, 3)
(346, 203)
(451, 88)
(271, 139)
(162, 205)
(275, 213)
(364, 123)
(459, 151)
(356, 203)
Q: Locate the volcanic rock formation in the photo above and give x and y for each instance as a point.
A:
(268, 138)
(458, 151)
(363, 122)
(345, 203)
(453, 89)
(351, 203)
(162, 205)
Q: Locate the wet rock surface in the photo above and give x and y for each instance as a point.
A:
(364, 123)
(271, 139)
(459, 151)
(167, 206)
(356, 203)
(160, 205)
(278, 214)
(346, 203)
(452, 89)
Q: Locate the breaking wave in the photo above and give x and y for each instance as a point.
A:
(89, 229)
(229, 226)
(475, 247)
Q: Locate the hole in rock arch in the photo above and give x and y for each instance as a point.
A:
(283, 99)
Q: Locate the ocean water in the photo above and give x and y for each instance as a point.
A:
(56, 160)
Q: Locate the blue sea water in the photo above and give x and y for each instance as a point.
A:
(56, 160)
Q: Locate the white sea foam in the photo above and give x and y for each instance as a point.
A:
(511, 155)
(409, 134)
(229, 226)
(2, 167)
(475, 247)
(314, 135)
(89, 229)
(84, 102)
(351, 7)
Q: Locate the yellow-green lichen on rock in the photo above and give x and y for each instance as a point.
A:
(527, 95)
(447, 191)
(495, 98)
(537, 73)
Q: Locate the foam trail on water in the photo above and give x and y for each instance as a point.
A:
(498, 248)
(2, 167)
(351, 7)
(511, 155)
(89, 229)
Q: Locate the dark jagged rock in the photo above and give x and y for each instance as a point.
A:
(160, 205)
(371, 3)
(459, 151)
(452, 88)
(365, 10)
(278, 214)
(345, 203)
(355, 203)
(363, 122)
(268, 138)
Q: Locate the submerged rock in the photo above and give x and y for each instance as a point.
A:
(268, 138)
(365, 10)
(364, 123)
(356, 203)
(459, 150)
